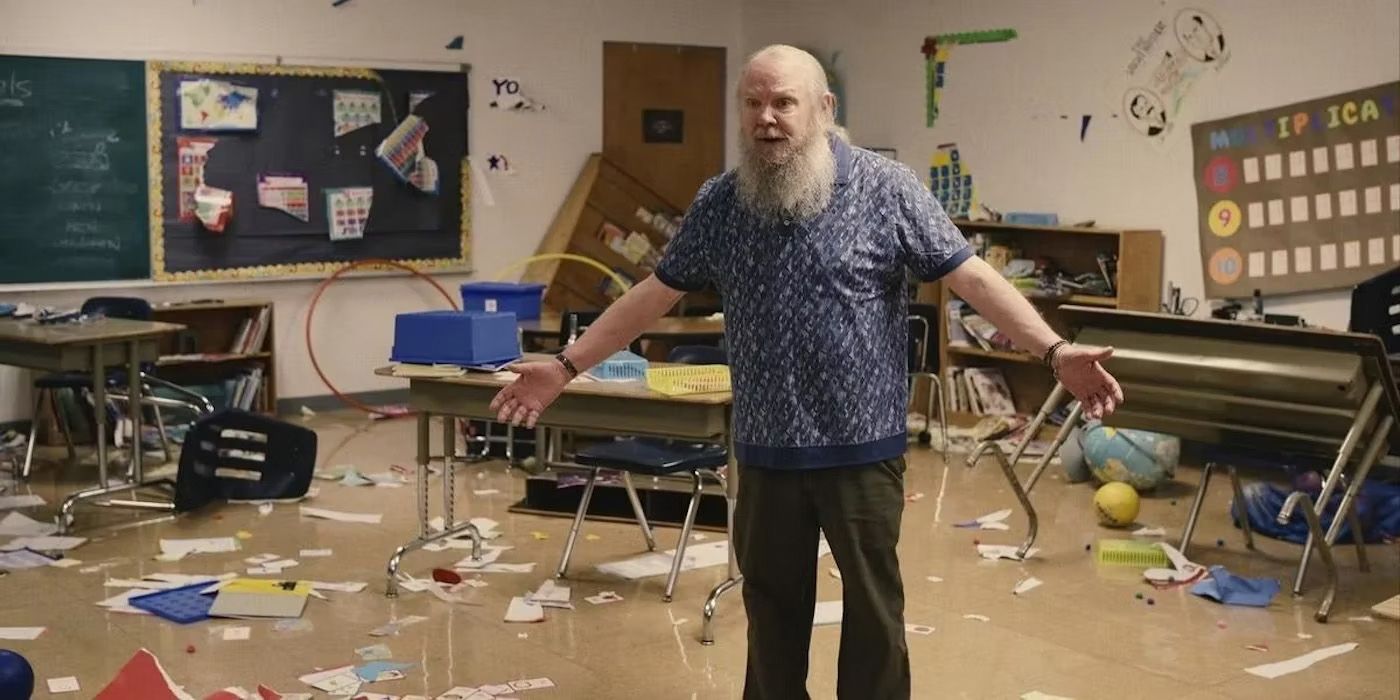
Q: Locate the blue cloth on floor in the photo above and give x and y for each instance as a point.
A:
(1378, 508)
(1224, 587)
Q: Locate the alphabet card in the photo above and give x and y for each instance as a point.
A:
(354, 109)
(347, 211)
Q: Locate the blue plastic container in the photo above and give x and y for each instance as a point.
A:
(521, 299)
(623, 364)
(463, 338)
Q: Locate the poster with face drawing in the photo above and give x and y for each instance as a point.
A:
(1165, 62)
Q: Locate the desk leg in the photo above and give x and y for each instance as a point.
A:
(1334, 475)
(731, 493)
(138, 474)
(425, 532)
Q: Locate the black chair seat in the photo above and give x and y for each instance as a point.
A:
(653, 456)
(78, 380)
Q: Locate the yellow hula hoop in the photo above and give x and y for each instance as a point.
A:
(564, 256)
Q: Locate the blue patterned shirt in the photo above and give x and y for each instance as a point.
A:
(816, 313)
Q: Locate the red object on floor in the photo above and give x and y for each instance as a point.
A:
(142, 678)
(447, 576)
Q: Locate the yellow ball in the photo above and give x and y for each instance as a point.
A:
(1116, 503)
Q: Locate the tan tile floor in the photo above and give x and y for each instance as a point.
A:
(1083, 634)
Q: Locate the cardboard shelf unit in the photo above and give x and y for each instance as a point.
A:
(1074, 250)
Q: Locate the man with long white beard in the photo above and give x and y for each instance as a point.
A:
(807, 242)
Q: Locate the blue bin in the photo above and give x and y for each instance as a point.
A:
(521, 299)
(455, 338)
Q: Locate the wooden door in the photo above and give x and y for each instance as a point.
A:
(663, 115)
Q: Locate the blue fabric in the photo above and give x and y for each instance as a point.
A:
(816, 311)
(1224, 587)
(1377, 504)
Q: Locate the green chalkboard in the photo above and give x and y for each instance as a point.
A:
(73, 170)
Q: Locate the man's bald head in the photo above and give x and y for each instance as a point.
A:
(792, 62)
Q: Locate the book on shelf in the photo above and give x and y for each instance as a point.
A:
(957, 334)
(981, 391)
(984, 333)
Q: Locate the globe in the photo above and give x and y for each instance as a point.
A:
(1141, 459)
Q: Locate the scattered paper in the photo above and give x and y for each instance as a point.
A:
(20, 525)
(343, 587)
(539, 536)
(67, 684)
(281, 564)
(551, 595)
(1003, 551)
(416, 98)
(376, 671)
(1283, 668)
(827, 612)
(1361, 618)
(485, 492)
(1229, 589)
(213, 207)
(918, 629)
(465, 693)
(23, 559)
(24, 633)
(395, 626)
(347, 211)
(142, 677)
(261, 558)
(337, 681)
(285, 193)
(604, 598)
(1150, 532)
(835, 573)
(990, 521)
(1025, 585)
(532, 684)
(374, 652)
(65, 563)
(314, 553)
(975, 616)
(264, 509)
(293, 625)
(237, 634)
(173, 550)
(524, 610)
(354, 109)
(52, 543)
(24, 501)
(659, 563)
(370, 518)
(403, 147)
(1037, 695)
(194, 153)
(214, 105)
(934, 579)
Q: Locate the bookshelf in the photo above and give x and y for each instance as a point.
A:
(223, 341)
(1074, 250)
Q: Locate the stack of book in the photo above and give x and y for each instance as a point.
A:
(252, 333)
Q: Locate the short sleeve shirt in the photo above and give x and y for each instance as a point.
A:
(816, 312)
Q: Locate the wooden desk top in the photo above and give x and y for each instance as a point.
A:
(105, 330)
(631, 390)
(667, 326)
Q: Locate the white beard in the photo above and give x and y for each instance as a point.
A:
(796, 188)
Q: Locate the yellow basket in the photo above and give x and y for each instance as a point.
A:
(689, 379)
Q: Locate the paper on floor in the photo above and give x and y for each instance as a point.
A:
(262, 558)
(827, 612)
(375, 652)
(1025, 585)
(21, 525)
(67, 684)
(1037, 695)
(336, 681)
(237, 634)
(604, 597)
(990, 521)
(52, 543)
(142, 677)
(975, 616)
(1150, 532)
(25, 633)
(65, 563)
(23, 501)
(23, 559)
(697, 556)
(313, 553)
(370, 518)
(172, 550)
(343, 586)
(394, 626)
(465, 693)
(523, 610)
(918, 629)
(1298, 663)
(1003, 551)
(551, 595)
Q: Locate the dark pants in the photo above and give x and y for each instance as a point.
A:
(777, 519)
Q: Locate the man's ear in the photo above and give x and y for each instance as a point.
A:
(829, 104)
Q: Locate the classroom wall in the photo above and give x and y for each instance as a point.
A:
(553, 48)
(1003, 102)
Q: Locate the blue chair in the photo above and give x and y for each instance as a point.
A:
(48, 386)
(653, 457)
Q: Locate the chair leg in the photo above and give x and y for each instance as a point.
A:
(578, 523)
(160, 428)
(33, 434)
(677, 560)
(63, 426)
(637, 510)
(1240, 510)
(1195, 512)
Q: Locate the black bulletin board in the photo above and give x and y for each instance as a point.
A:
(294, 135)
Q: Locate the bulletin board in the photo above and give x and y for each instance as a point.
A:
(294, 149)
(1302, 197)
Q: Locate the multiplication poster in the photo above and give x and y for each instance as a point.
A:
(1300, 198)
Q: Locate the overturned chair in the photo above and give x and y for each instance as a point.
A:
(1242, 385)
(239, 456)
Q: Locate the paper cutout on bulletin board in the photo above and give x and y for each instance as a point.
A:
(1164, 63)
(936, 50)
(402, 148)
(416, 98)
(506, 94)
(216, 105)
(347, 211)
(354, 109)
(286, 193)
(951, 181)
(194, 153)
(213, 207)
(1301, 197)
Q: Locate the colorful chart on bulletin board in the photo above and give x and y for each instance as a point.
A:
(1300, 198)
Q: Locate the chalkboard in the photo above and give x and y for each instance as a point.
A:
(73, 170)
(294, 135)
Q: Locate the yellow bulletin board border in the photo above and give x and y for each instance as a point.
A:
(154, 70)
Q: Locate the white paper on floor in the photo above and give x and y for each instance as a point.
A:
(1037, 695)
(1025, 585)
(990, 521)
(918, 629)
(336, 681)
(45, 543)
(462, 692)
(341, 516)
(313, 553)
(65, 563)
(262, 558)
(1003, 551)
(23, 559)
(1298, 663)
(237, 634)
(522, 610)
(551, 595)
(173, 550)
(826, 612)
(1150, 532)
(343, 587)
(67, 684)
(22, 501)
(975, 616)
(25, 633)
(395, 625)
(604, 597)
(935, 579)
(21, 525)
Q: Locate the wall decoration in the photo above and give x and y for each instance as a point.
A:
(213, 207)
(455, 44)
(663, 126)
(354, 109)
(951, 181)
(1302, 197)
(506, 94)
(347, 210)
(217, 105)
(193, 154)
(936, 50)
(285, 193)
(1181, 46)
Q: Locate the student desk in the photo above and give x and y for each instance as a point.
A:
(606, 407)
(668, 331)
(92, 347)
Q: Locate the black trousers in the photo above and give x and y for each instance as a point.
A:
(777, 520)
